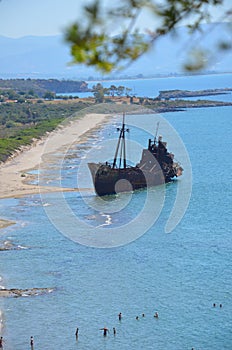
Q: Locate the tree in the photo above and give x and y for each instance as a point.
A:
(93, 44)
(98, 93)
(128, 90)
(120, 90)
(112, 89)
(49, 95)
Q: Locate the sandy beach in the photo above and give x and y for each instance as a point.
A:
(13, 174)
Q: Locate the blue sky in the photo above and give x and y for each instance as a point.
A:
(50, 17)
(37, 17)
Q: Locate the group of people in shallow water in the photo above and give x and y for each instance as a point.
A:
(104, 329)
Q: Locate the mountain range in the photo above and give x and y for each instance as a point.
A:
(49, 57)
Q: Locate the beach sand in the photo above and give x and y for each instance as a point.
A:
(13, 173)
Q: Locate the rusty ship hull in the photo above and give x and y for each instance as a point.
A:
(156, 167)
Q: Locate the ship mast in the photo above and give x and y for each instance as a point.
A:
(157, 128)
(122, 144)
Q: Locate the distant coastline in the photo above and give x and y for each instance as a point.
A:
(155, 76)
(40, 87)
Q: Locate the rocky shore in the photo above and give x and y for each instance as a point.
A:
(168, 94)
(5, 223)
(181, 105)
(15, 292)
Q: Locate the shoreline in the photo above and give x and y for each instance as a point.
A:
(13, 173)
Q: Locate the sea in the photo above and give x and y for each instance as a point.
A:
(166, 249)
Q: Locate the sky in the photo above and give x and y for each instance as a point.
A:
(20, 18)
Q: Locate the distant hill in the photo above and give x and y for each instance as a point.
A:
(41, 86)
(48, 57)
(37, 57)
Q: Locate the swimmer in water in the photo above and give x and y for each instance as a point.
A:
(77, 331)
(105, 331)
(32, 342)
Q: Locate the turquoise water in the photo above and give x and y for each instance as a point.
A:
(179, 274)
